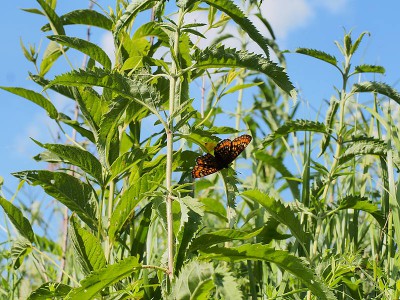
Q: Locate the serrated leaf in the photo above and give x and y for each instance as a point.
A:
(50, 290)
(294, 126)
(357, 42)
(377, 87)
(88, 48)
(16, 217)
(77, 157)
(61, 89)
(135, 89)
(318, 55)
(35, 98)
(283, 259)
(364, 146)
(195, 281)
(229, 7)
(78, 196)
(362, 203)
(103, 278)
(87, 248)
(55, 22)
(284, 214)
(221, 57)
(88, 17)
(369, 69)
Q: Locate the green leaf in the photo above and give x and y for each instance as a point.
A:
(103, 278)
(50, 56)
(369, 69)
(220, 57)
(78, 196)
(19, 250)
(294, 126)
(76, 125)
(50, 290)
(16, 217)
(364, 146)
(221, 236)
(77, 157)
(240, 87)
(229, 7)
(135, 89)
(284, 214)
(88, 48)
(195, 281)
(329, 123)
(362, 203)
(125, 162)
(55, 22)
(318, 55)
(88, 17)
(281, 258)
(130, 199)
(44, 244)
(151, 29)
(35, 98)
(277, 164)
(377, 87)
(357, 42)
(87, 248)
(130, 12)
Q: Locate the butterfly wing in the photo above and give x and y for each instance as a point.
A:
(226, 151)
(205, 165)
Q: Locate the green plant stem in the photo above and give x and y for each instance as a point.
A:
(109, 214)
(173, 97)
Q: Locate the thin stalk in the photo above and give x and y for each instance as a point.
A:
(173, 87)
(109, 214)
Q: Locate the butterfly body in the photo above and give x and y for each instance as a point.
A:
(224, 153)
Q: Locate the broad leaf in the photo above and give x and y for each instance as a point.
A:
(87, 247)
(103, 278)
(78, 196)
(19, 250)
(77, 157)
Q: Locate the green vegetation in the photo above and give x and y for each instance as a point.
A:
(313, 212)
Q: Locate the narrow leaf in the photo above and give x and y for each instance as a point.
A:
(55, 22)
(50, 290)
(92, 50)
(35, 98)
(103, 278)
(294, 126)
(16, 217)
(377, 87)
(318, 55)
(280, 212)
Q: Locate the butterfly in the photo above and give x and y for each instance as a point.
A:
(224, 153)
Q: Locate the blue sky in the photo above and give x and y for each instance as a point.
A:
(297, 23)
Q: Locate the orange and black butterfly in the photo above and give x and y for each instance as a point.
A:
(224, 153)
